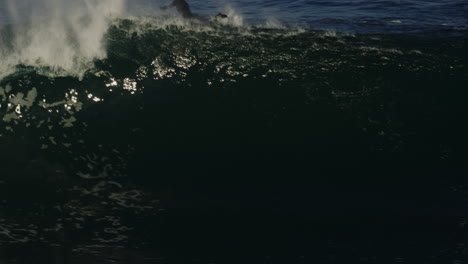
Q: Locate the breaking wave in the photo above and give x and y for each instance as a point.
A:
(100, 109)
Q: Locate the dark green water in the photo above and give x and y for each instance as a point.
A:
(215, 144)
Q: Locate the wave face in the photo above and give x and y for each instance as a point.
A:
(205, 87)
(109, 117)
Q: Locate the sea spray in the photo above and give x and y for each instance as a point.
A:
(57, 36)
(234, 18)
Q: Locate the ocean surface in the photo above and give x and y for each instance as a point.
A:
(289, 132)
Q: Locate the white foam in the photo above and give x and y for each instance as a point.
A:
(272, 22)
(60, 35)
(234, 18)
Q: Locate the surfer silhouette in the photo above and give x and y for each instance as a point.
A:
(184, 9)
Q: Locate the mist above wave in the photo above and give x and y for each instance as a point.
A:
(62, 36)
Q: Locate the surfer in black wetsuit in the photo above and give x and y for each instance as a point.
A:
(182, 7)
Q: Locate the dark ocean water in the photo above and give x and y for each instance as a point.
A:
(290, 132)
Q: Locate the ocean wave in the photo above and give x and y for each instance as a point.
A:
(165, 106)
(158, 68)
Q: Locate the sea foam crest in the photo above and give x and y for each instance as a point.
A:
(63, 36)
